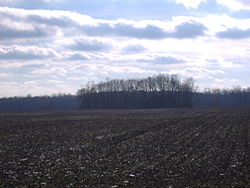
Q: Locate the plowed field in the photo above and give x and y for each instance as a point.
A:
(126, 148)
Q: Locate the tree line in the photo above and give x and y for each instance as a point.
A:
(235, 96)
(38, 103)
(161, 91)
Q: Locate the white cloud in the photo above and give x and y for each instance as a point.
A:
(225, 83)
(4, 1)
(20, 23)
(235, 4)
(48, 1)
(13, 88)
(4, 75)
(66, 49)
(190, 3)
(17, 52)
(133, 48)
(197, 73)
(39, 24)
(231, 4)
(53, 0)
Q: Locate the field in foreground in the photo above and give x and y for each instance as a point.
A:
(136, 148)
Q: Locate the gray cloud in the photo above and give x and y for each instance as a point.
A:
(19, 56)
(90, 45)
(36, 23)
(188, 30)
(62, 21)
(182, 31)
(245, 2)
(130, 49)
(24, 53)
(25, 24)
(164, 60)
(36, 17)
(167, 60)
(7, 33)
(234, 33)
(125, 30)
(77, 57)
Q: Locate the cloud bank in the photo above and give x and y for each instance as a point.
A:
(62, 50)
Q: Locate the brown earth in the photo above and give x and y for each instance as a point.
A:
(174, 148)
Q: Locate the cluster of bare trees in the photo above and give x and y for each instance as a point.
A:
(159, 91)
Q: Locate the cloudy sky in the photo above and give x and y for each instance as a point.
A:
(51, 46)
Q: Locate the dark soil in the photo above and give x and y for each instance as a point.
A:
(171, 148)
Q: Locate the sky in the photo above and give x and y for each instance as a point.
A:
(52, 46)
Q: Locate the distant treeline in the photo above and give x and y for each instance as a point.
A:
(236, 96)
(38, 103)
(161, 91)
